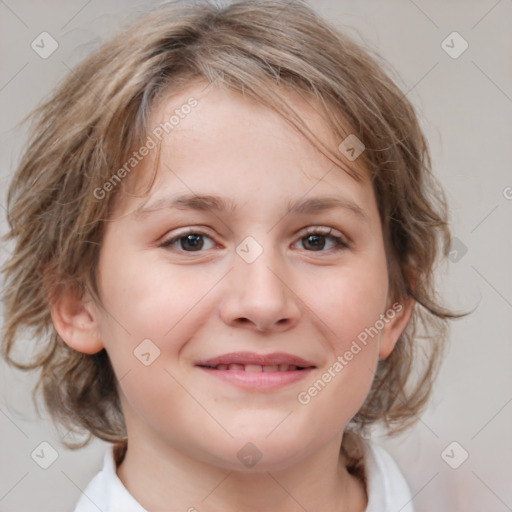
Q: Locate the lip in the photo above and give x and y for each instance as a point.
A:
(254, 380)
(273, 359)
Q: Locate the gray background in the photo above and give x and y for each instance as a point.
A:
(466, 109)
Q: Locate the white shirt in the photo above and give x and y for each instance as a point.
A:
(386, 487)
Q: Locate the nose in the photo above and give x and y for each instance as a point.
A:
(260, 296)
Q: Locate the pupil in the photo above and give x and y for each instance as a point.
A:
(195, 241)
(313, 239)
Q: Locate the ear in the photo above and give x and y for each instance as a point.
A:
(395, 318)
(76, 323)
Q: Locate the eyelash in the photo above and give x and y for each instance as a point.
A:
(340, 243)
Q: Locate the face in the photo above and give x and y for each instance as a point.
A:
(236, 293)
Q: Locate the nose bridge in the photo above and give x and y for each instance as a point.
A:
(267, 272)
(257, 269)
(258, 290)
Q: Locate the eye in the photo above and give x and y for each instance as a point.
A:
(313, 240)
(316, 238)
(190, 241)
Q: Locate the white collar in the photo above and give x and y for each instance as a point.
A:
(106, 493)
(386, 487)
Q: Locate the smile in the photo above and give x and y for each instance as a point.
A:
(257, 372)
(257, 367)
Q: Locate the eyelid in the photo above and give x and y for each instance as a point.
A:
(167, 241)
(323, 230)
(341, 240)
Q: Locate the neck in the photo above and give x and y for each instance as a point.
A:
(164, 478)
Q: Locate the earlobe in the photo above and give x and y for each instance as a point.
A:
(397, 316)
(75, 323)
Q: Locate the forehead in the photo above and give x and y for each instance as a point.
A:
(216, 141)
(215, 105)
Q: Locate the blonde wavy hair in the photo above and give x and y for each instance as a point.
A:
(98, 115)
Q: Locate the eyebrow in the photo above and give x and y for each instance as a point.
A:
(224, 205)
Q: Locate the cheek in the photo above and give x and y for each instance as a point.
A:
(350, 305)
(150, 299)
(351, 301)
(150, 318)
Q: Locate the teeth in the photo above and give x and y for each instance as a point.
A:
(254, 368)
(236, 367)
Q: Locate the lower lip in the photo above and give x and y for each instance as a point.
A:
(258, 381)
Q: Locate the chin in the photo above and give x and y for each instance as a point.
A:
(262, 453)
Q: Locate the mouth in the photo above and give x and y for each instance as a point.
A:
(256, 371)
(254, 368)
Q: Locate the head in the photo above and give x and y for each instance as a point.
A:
(226, 103)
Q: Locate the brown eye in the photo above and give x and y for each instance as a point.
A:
(188, 242)
(317, 240)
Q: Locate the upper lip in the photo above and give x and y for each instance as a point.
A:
(244, 358)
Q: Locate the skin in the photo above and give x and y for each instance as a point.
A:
(184, 426)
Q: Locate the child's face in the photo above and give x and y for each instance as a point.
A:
(205, 298)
